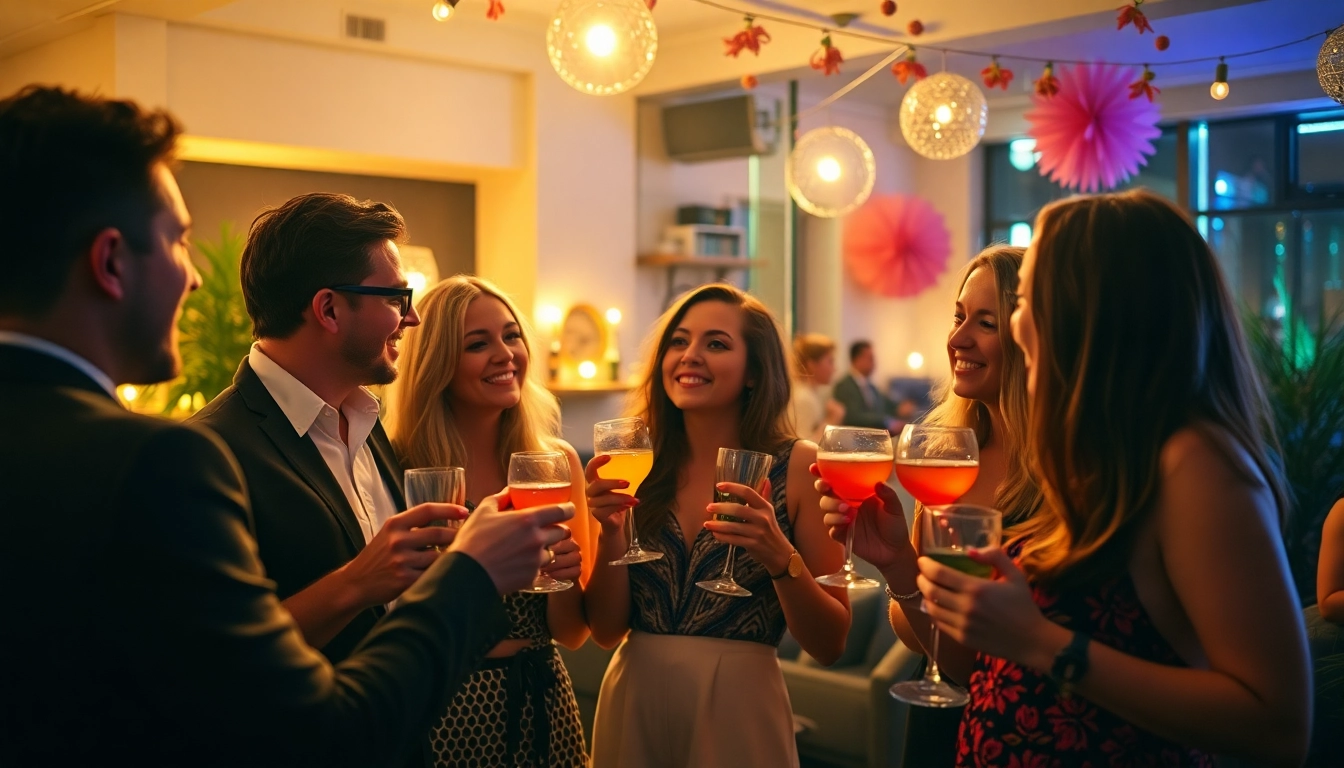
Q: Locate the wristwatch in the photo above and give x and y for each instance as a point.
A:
(791, 569)
(1070, 664)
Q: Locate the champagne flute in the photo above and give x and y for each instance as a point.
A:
(747, 468)
(853, 460)
(627, 442)
(946, 533)
(444, 485)
(537, 478)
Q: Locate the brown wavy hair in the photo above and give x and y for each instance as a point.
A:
(809, 348)
(764, 425)
(1137, 339)
(1018, 496)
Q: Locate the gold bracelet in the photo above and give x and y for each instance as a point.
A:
(898, 598)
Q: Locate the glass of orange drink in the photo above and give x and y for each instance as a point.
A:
(852, 460)
(627, 442)
(538, 478)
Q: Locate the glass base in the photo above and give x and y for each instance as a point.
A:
(544, 584)
(848, 580)
(927, 693)
(636, 555)
(724, 587)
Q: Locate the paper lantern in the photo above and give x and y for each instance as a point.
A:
(943, 116)
(830, 172)
(602, 47)
(896, 245)
(1330, 65)
(1090, 135)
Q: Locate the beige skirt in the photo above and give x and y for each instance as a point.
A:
(673, 701)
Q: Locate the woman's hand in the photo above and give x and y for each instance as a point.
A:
(994, 616)
(880, 534)
(567, 564)
(608, 507)
(758, 532)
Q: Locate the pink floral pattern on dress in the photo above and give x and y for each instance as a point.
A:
(1017, 719)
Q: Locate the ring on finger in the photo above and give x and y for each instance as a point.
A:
(552, 560)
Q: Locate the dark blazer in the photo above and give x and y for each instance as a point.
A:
(848, 392)
(305, 527)
(140, 628)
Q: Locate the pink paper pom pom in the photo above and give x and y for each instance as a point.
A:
(896, 245)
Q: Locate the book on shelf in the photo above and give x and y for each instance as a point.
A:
(708, 240)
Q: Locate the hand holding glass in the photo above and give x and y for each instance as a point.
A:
(537, 478)
(747, 468)
(853, 460)
(946, 533)
(442, 485)
(627, 442)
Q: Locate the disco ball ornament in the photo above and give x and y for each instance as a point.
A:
(943, 116)
(830, 172)
(1330, 65)
(602, 47)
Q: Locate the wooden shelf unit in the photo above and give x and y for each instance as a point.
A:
(721, 265)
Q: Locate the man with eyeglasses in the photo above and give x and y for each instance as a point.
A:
(324, 287)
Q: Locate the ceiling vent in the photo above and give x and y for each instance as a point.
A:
(365, 28)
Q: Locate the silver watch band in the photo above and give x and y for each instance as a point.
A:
(899, 598)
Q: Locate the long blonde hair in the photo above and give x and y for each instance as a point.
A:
(765, 425)
(1137, 339)
(1018, 496)
(420, 413)
(808, 348)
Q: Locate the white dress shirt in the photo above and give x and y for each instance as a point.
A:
(16, 339)
(350, 461)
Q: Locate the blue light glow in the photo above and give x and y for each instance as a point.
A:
(1278, 249)
(1333, 125)
(1019, 234)
(1220, 187)
(1217, 225)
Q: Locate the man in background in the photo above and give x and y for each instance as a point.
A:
(865, 405)
(141, 627)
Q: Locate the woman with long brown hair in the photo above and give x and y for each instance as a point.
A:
(696, 681)
(1145, 615)
(468, 397)
(987, 392)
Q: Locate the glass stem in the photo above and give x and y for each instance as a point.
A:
(933, 674)
(849, 549)
(728, 564)
(634, 535)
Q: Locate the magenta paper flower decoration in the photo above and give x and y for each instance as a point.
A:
(1090, 134)
(896, 245)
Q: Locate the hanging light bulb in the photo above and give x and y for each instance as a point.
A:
(1220, 88)
(1330, 65)
(830, 172)
(943, 116)
(602, 47)
(443, 9)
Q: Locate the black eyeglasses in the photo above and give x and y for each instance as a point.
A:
(403, 294)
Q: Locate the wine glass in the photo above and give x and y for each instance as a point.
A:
(627, 442)
(537, 478)
(747, 468)
(937, 464)
(444, 485)
(852, 460)
(946, 532)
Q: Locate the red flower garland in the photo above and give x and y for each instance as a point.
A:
(749, 39)
(995, 75)
(1130, 14)
(1143, 86)
(827, 58)
(907, 68)
(496, 10)
(1047, 85)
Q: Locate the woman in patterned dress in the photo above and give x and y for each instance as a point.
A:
(1145, 616)
(467, 397)
(696, 681)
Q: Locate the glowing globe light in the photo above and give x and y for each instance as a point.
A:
(943, 116)
(587, 369)
(830, 172)
(613, 316)
(828, 168)
(442, 11)
(601, 40)
(915, 361)
(602, 47)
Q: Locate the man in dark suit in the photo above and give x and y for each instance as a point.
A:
(141, 628)
(865, 405)
(328, 300)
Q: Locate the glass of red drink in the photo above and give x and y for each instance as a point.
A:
(537, 478)
(853, 460)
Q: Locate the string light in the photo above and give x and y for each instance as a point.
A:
(602, 47)
(830, 172)
(443, 9)
(1220, 88)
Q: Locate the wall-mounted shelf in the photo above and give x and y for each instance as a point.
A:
(721, 265)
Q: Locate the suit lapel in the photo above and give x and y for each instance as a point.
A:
(388, 466)
(20, 365)
(299, 451)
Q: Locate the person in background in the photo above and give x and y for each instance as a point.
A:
(864, 403)
(987, 392)
(1116, 630)
(468, 397)
(810, 404)
(696, 681)
(1330, 567)
(158, 639)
